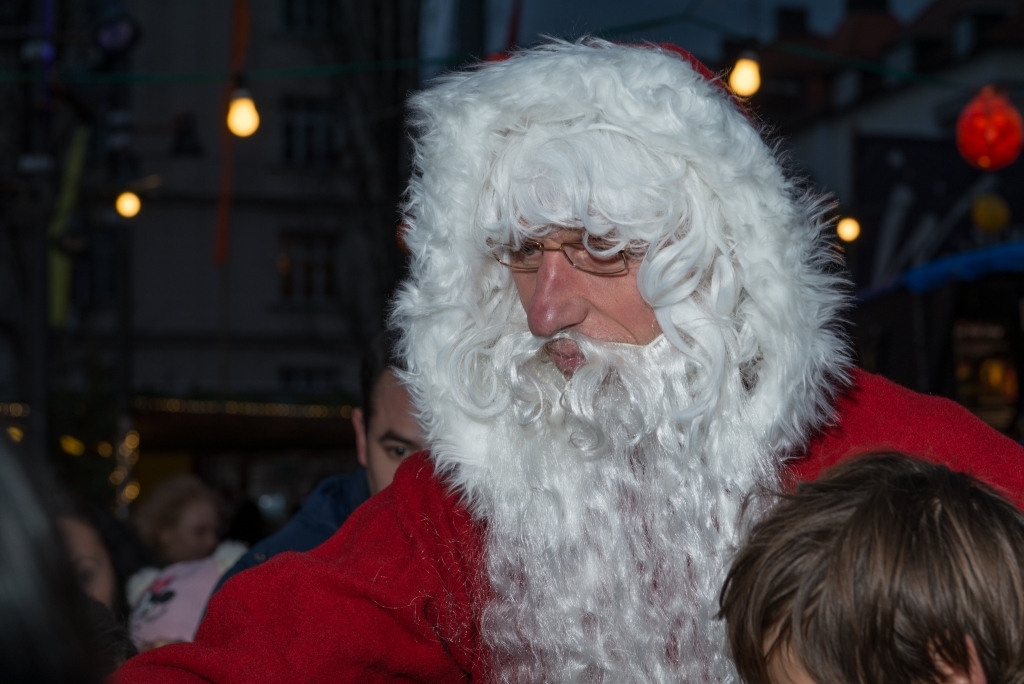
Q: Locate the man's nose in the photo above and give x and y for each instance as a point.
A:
(558, 302)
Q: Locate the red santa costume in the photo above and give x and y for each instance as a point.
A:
(577, 529)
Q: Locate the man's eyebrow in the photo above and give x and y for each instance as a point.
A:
(395, 437)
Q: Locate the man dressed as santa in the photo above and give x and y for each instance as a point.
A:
(622, 316)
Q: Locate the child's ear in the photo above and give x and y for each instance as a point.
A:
(974, 675)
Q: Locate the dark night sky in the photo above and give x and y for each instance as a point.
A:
(571, 18)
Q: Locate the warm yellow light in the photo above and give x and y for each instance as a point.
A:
(128, 204)
(72, 446)
(15, 433)
(745, 79)
(131, 490)
(104, 449)
(848, 229)
(994, 372)
(243, 119)
(990, 213)
(131, 440)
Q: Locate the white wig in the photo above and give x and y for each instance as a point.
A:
(636, 145)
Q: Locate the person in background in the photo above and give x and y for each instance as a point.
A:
(887, 570)
(386, 432)
(45, 631)
(91, 559)
(104, 551)
(179, 521)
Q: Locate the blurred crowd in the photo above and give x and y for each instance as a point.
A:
(72, 573)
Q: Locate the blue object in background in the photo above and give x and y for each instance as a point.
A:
(966, 266)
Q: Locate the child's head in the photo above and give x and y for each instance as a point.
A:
(180, 519)
(886, 570)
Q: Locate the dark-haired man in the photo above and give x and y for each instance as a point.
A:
(386, 432)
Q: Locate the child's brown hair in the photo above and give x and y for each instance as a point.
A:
(878, 573)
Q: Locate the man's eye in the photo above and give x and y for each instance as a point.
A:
(529, 248)
(398, 451)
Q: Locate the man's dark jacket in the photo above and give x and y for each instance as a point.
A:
(324, 511)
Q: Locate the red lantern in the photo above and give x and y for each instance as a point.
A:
(988, 132)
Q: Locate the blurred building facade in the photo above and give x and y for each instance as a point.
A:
(869, 114)
(312, 253)
(253, 361)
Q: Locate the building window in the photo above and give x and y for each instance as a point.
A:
(306, 266)
(306, 16)
(310, 137)
(309, 380)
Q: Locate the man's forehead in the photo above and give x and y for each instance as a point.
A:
(558, 233)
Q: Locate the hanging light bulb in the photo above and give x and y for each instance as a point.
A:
(243, 119)
(848, 229)
(128, 204)
(745, 79)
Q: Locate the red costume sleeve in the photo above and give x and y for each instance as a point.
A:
(387, 598)
(878, 415)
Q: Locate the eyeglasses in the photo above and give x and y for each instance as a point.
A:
(528, 258)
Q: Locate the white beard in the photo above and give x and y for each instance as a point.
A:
(611, 503)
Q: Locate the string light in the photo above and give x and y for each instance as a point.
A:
(990, 213)
(745, 79)
(104, 449)
(117, 477)
(15, 433)
(243, 119)
(126, 455)
(128, 204)
(248, 408)
(72, 446)
(848, 229)
(130, 491)
(14, 409)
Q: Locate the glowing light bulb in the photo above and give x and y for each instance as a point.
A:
(243, 119)
(131, 491)
(990, 213)
(848, 229)
(745, 79)
(128, 204)
(72, 446)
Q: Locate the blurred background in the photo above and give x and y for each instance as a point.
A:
(199, 229)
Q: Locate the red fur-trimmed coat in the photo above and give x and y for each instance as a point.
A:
(390, 597)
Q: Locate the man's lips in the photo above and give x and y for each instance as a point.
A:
(566, 355)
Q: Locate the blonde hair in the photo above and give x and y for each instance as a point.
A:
(163, 507)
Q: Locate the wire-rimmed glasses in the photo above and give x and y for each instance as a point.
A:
(528, 258)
